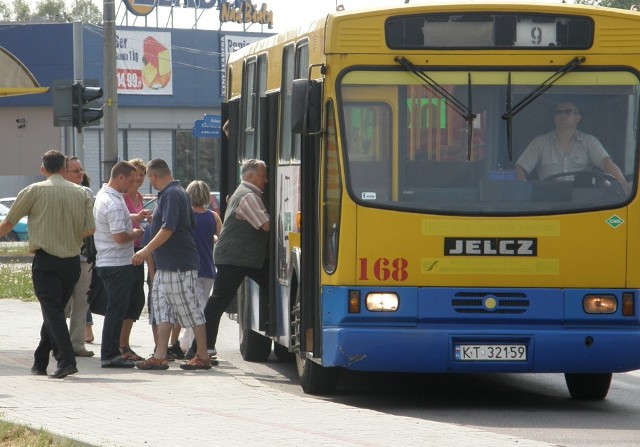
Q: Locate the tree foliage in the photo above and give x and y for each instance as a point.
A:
(21, 11)
(620, 4)
(5, 12)
(85, 11)
(54, 10)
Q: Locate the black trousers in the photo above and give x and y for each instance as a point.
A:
(225, 286)
(53, 281)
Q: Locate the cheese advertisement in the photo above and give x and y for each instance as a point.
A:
(143, 63)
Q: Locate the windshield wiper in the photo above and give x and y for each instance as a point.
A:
(451, 101)
(535, 93)
(430, 84)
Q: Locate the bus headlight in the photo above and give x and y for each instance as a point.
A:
(600, 304)
(382, 302)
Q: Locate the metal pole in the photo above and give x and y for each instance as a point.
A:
(77, 142)
(110, 88)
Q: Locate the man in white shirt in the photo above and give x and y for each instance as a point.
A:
(114, 238)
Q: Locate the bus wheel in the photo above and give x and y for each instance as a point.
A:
(588, 386)
(314, 378)
(254, 347)
(282, 353)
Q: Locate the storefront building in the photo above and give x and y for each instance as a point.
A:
(167, 80)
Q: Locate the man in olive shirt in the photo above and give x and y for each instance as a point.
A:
(60, 216)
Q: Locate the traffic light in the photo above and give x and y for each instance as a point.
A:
(83, 112)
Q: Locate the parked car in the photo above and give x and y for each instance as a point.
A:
(19, 232)
(214, 205)
(148, 197)
(150, 203)
(7, 201)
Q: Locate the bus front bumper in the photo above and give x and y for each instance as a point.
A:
(430, 350)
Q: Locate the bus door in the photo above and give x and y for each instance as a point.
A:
(269, 124)
(310, 166)
(229, 154)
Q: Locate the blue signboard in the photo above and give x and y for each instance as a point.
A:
(200, 130)
(213, 121)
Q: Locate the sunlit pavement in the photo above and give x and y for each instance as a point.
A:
(223, 406)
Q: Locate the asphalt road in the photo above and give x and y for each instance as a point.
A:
(532, 406)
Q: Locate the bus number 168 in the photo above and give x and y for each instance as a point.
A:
(384, 269)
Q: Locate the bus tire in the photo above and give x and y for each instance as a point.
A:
(315, 378)
(254, 347)
(282, 353)
(588, 386)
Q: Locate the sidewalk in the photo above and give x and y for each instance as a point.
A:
(110, 407)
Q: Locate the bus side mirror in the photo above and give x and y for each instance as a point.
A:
(306, 97)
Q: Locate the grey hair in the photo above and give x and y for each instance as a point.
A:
(251, 165)
(199, 193)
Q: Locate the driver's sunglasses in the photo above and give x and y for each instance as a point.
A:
(566, 112)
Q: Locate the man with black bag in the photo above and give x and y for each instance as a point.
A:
(76, 309)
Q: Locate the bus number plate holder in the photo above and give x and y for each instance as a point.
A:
(490, 353)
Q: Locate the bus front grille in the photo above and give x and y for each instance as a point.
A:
(490, 303)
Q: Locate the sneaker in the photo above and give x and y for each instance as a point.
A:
(153, 363)
(175, 351)
(197, 363)
(212, 352)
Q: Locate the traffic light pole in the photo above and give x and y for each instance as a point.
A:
(110, 154)
(78, 73)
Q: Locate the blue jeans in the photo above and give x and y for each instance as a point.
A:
(117, 283)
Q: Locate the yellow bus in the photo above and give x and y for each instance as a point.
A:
(452, 188)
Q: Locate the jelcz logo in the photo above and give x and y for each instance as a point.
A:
(490, 246)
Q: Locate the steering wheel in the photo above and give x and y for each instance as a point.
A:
(594, 179)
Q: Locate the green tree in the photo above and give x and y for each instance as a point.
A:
(5, 12)
(52, 10)
(621, 4)
(21, 11)
(86, 11)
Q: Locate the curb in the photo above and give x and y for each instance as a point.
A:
(18, 259)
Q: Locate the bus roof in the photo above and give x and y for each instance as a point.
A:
(369, 37)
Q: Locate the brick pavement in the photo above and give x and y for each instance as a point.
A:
(110, 407)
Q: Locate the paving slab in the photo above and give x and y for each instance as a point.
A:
(223, 406)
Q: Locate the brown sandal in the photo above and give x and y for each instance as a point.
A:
(197, 363)
(126, 353)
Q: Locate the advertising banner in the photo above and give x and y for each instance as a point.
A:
(143, 63)
(228, 44)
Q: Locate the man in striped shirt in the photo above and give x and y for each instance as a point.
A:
(60, 216)
(241, 249)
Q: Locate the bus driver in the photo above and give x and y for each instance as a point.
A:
(566, 149)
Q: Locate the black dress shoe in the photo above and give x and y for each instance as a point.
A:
(119, 363)
(61, 373)
(38, 372)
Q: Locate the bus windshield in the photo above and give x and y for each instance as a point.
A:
(571, 148)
